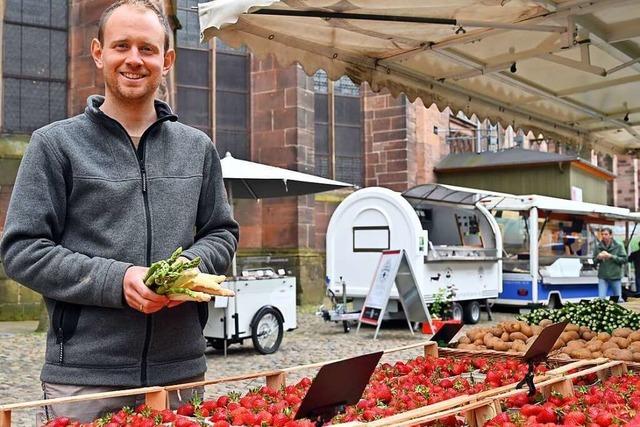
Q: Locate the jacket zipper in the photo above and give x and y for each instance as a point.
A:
(148, 318)
(60, 337)
(139, 153)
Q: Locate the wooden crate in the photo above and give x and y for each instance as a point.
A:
(157, 397)
(484, 406)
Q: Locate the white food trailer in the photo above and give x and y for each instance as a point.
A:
(449, 238)
(556, 266)
(262, 310)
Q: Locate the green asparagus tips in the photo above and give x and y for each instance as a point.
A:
(165, 273)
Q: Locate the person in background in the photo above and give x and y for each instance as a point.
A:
(98, 198)
(610, 257)
(634, 258)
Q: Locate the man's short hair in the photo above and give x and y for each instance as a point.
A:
(148, 4)
(607, 229)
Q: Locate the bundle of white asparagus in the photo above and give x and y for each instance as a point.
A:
(180, 280)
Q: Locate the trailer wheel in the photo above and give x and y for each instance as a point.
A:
(456, 311)
(472, 312)
(267, 331)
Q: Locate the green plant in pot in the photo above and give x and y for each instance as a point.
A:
(442, 306)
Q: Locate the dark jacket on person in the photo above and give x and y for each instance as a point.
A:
(610, 269)
(86, 206)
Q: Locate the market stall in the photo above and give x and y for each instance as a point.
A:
(566, 69)
(548, 247)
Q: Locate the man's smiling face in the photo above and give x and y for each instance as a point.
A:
(132, 56)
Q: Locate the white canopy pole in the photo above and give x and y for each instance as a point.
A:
(533, 252)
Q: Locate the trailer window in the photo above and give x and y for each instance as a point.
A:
(515, 240)
(371, 239)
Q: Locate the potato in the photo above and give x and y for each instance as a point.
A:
(634, 336)
(487, 339)
(505, 336)
(596, 354)
(501, 346)
(622, 332)
(611, 353)
(622, 342)
(603, 336)
(545, 322)
(464, 340)
(526, 329)
(496, 331)
(636, 356)
(625, 355)
(608, 346)
(536, 329)
(572, 327)
(575, 344)
(466, 346)
(475, 333)
(634, 346)
(581, 353)
(587, 335)
(570, 336)
(479, 341)
(512, 327)
(594, 346)
(583, 329)
(517, 336)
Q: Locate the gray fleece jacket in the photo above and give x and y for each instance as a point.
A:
(86, 206)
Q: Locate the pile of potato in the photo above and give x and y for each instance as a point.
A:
(582, 343)
(576, 342)
(512, 337)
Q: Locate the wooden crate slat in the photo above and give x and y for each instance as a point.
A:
(80, 398)
(5, 418)
(234, 378)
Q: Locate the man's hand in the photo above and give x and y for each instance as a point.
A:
(138, 295)
(604, 255)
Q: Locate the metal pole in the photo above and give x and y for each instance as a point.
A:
(533, 252)
(234, 270)
(410, 19)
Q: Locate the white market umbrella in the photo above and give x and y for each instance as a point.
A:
(250, 180)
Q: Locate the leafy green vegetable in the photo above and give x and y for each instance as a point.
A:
(599, 315)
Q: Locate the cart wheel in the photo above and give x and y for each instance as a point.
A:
(472, 312)
(267, 331)
(456, 311)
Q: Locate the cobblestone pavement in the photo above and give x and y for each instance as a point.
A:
(21, 355)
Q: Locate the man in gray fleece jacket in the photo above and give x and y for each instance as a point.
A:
(101, 196)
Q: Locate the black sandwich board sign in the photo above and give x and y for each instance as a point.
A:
(393, 267)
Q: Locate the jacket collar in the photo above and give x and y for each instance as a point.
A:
(94, 113)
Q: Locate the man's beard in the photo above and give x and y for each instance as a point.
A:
(131, 95)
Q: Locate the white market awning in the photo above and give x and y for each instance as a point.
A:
(251, 180)
(445, 193)
(556, 205)
(569, 69)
